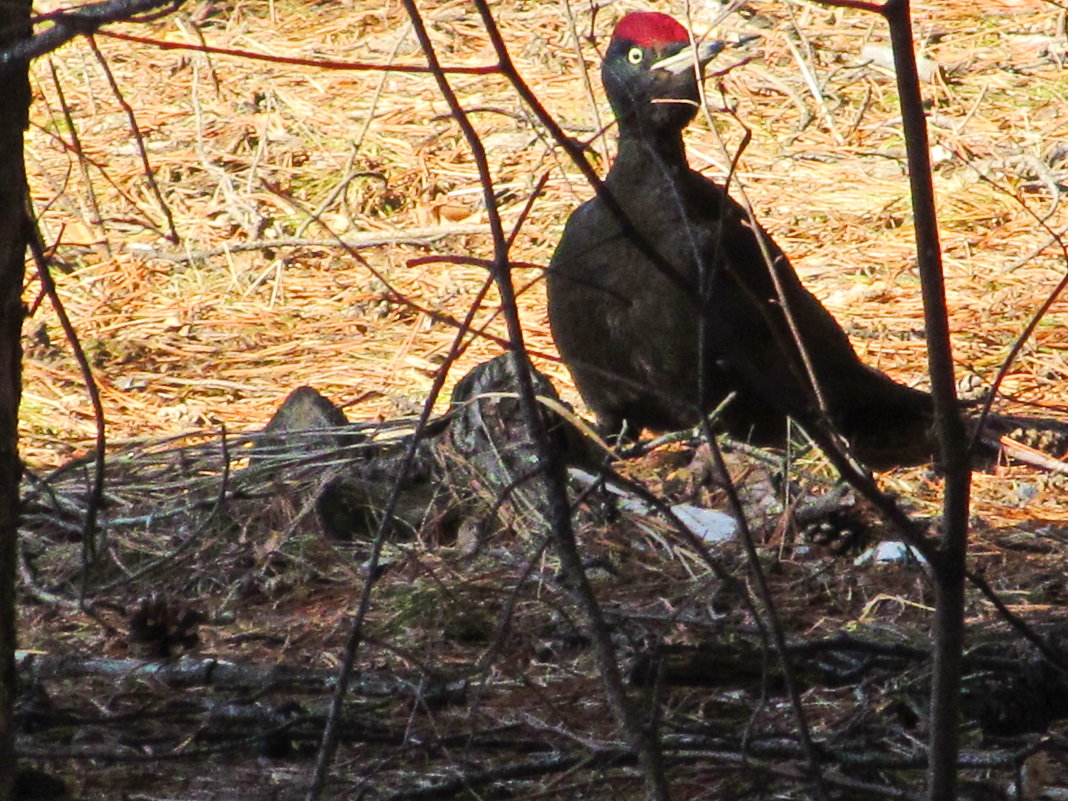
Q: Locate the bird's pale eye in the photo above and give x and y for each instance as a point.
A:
(635, 55)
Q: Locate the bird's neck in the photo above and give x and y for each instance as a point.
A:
(651, 152)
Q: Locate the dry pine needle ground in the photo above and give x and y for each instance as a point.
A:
(201, 333)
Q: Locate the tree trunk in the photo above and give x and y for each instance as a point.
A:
(14, 108)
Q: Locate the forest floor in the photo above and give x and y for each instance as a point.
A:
(202, 298)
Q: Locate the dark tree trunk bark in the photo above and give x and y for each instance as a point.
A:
(14, 108)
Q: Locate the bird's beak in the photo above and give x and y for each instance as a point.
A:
(684, 59)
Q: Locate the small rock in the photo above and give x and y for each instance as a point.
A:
(305, 422)
(890, 551)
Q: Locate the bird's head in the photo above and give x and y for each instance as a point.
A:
(648, 72)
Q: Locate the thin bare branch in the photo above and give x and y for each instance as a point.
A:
(87, 19)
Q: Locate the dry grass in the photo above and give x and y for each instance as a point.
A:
(246, 150)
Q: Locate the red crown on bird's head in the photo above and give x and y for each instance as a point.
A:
(649, 29)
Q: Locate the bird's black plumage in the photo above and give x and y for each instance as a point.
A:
(664, 297)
